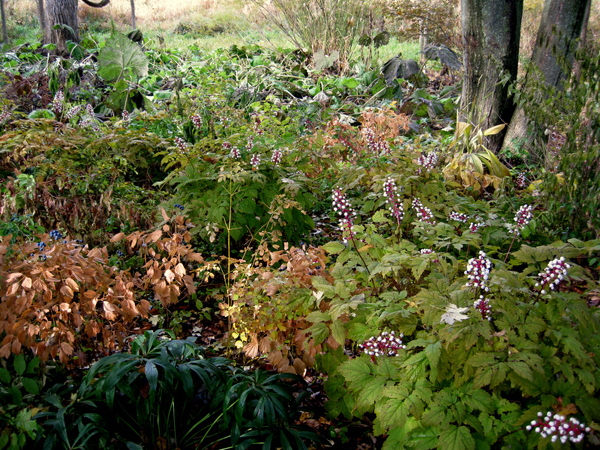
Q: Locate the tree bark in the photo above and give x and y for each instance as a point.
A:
(62, 13)
(4, 30)
(491, 31)
(561, 25)
(43, 22)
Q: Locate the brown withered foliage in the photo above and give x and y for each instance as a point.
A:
(61, 299)
(268, 309)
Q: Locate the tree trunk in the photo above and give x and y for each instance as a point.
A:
(133, 27)
(64, 14)
(4, 30)
(561, 25)
(43, 22)
(491, 31)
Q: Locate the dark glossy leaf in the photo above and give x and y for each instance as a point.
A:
(31, 386)
(4, 376)
(151, 375)
(19, 364)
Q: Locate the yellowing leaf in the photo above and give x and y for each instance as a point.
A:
(26, 283)
(170, 276)
(494, 130)
(117, 237)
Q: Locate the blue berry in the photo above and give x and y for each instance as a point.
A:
(41, 246)
(120, 253)
(177, 205)
(56, 235)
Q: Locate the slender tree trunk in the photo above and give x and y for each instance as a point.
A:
(64, 14)
(43, 22)
(491, 33)
(4, 30)
(133, 26)
(561, 25)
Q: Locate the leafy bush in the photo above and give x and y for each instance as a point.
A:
(161, 392)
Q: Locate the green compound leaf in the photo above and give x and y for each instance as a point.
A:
(456, 438)
(370, 393)
(424, 438)
(356, 371)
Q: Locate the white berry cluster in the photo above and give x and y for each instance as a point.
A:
(4, 116)
(250, 143)
(478, 271)
(557, 428)
(476, 225)
(393, 200)
(458, 217)
(342, 208)
(72, 112)
(423, 213)
(426, 251)
(521, 181)
(125, 116)
(553, 274)
(276, 157)
(255, 161)
(427, 161)
(197, 121)
(181, 144)
(58, 102)
(386, 344)
(483, 306)
(235, 152)
(523, 217)
(377, 146)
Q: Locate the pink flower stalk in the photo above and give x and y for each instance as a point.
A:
(197, 121)
(557, 428)
(393, 200)
(483, 306)
(478, 271)
(553, 274)
(226, 145)
(423, 213)
(255, 161)
(4, 116)
(386, 344)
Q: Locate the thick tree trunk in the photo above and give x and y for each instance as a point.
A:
(4, 30)
(43, 22)
(561, 25)
(491, 33)
(64, 14)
